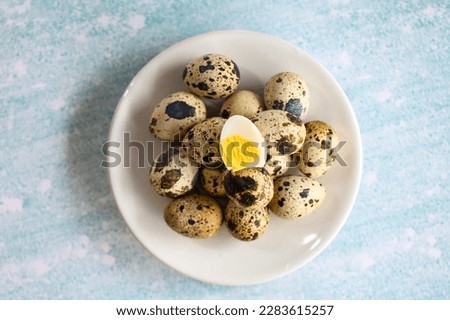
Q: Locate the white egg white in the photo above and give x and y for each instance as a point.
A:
(242, 126)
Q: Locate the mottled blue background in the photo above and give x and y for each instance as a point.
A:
(64, 66)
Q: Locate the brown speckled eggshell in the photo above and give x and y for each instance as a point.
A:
(278, 165)
(194, 216)
(250, 188)
(283, 133)
(211, 180)
(212, 76)
(175, 115)
(296, 196)
(243, 102)
(287, 91)
(172, 174)
(317, 154)
(202, 142)
(245, 224)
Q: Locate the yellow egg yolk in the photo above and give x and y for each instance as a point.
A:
(238, 152)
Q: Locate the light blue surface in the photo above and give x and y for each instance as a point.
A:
(63, 67)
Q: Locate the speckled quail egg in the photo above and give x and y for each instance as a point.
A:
(212, 75)
(202, 142)
(250, 188)
(211, 180)
(282, 132)
(278, 165)
(287, 91)
(241, 144)
(243, 102)
(194, 216)
(296, 196)
(172, 174)
(246, 224)
(317, 154)
(175, 115)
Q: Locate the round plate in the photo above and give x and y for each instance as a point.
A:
(287, 244)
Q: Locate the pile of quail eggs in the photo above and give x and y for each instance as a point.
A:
(205, 190)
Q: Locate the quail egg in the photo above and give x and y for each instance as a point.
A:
(241, 144)
(250, 188)
(287, 91)
(175, 115)
(202, 142)
(246, 224)
(211, 180)
(194, 216)
(243, 102)
(317, 154)
(296, 196)
(212, 75)
(278, 165)
(283, 133)
(172, 174)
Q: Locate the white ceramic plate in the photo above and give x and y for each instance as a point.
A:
(286, 245)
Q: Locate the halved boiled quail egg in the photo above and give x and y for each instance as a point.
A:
(241, 144)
